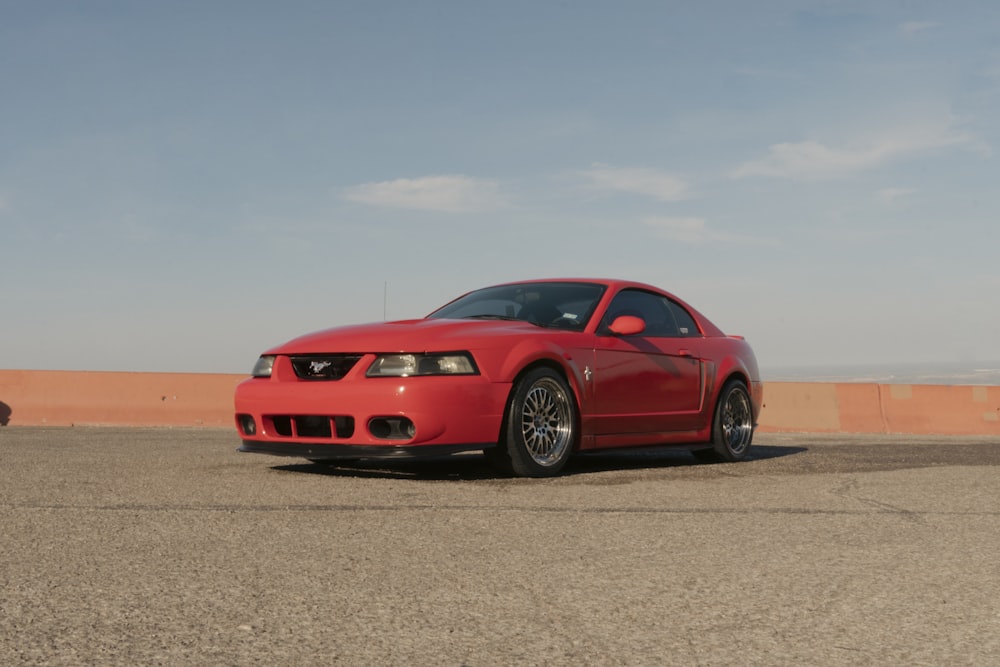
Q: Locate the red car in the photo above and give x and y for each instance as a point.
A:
(528, 372)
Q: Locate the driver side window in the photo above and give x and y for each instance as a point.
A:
(659, 313)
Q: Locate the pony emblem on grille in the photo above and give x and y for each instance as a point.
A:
(317, 367)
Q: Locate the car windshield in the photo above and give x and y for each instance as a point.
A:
(560, 305)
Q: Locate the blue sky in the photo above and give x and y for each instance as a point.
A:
(183, 184)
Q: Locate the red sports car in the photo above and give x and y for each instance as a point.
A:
(528, 372)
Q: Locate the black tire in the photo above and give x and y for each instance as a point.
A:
(498, 459)
(732, 426)
(540, 428)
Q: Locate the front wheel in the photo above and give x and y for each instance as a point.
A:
(540, 429)
(732, 427)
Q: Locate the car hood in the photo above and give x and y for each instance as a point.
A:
(412, 336)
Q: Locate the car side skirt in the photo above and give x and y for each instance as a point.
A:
(629, 440)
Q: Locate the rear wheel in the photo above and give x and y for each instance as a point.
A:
(540, 428)
(732, 427)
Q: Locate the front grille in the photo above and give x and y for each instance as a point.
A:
(312, 426)
(324, 366)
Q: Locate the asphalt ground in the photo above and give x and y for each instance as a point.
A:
(167, 547)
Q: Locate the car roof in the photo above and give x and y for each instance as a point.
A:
(601, 281)
(616, 284)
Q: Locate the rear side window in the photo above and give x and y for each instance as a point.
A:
(685, 323)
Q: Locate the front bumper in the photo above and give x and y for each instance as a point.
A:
(368, 417)
(328, 452)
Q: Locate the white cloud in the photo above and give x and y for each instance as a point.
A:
(695, 231)
(637, 180)
(813, 160)
(913, 27)
(890, 195)
(686, 230)
(446, 193)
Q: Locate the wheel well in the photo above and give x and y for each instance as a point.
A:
(554, 366)
(551, 365)
(542, 363)
(733, 375)
(736, 375)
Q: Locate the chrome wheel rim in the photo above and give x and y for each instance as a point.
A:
(737, 424)
(546, 422)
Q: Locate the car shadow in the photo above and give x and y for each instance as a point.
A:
(474, 467)
(764, 452)
(665, 457)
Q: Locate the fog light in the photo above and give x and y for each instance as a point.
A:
(248, 425)
(392, 428)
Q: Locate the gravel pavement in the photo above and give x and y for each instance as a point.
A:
(167, 547)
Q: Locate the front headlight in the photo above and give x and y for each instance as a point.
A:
(407, 365)
(263, 367)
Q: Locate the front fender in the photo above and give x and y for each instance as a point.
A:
(507, 364)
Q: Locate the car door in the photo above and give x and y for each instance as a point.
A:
(651, 382)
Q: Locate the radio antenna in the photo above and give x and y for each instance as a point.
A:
(385, 301)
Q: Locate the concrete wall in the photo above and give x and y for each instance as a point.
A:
(881, 408)
(65, 398)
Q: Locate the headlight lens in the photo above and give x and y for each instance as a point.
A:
(263, 367)
(407, 365)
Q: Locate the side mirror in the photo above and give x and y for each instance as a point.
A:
(627, 325)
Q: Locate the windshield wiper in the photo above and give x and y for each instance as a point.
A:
(505, 318)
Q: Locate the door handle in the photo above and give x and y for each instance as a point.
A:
(684, 353)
